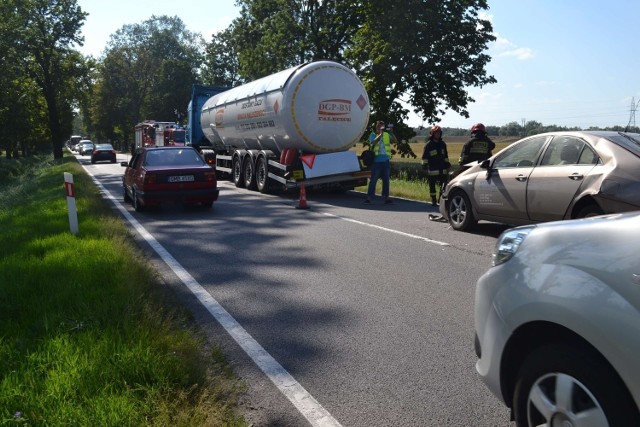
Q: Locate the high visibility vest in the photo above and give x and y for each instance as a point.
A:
(386, 140)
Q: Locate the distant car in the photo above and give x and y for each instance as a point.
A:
(157, 175)
(102, 152)
(547, 177)
(85, 148)
(557, 322)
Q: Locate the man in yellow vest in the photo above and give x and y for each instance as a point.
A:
(380, 142)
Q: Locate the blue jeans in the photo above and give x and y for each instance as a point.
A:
(380, 170)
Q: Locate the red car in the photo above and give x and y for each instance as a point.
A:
(157, 175)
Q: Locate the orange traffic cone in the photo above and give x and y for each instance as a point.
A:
(302, 204)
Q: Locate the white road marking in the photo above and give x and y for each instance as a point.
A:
(391, 230)
(306, 404)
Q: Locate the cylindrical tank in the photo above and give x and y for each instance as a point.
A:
(320, 107)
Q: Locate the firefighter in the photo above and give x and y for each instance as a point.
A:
(479, 147)
(435, 160)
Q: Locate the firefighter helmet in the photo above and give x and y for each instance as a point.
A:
(478, 127)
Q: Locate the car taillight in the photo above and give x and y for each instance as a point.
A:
(113, 151)
(150, 178)
(209, 176)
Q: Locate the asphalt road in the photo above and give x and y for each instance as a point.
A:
(362, 314)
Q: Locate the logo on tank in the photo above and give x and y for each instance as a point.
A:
(219, 117)
(334, 110)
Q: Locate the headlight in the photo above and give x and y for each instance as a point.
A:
(508, 244)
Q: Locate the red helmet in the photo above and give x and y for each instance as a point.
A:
(478, 127)
(435, 129)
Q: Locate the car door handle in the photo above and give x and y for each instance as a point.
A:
(576, 177)
(521, 178)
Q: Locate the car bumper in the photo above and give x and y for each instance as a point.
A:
(492, 333)
(104, 157)
(178, 196)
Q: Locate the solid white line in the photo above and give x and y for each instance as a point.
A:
(390, 230)
(306, 404)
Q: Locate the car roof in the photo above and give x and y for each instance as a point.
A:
(628, 140)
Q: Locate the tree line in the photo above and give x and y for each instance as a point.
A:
(425, 53)
(515, 129)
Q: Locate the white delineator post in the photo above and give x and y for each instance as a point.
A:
(71, 202)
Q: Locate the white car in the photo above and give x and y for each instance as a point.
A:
(557, 321)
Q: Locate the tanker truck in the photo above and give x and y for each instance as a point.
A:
(290, 128)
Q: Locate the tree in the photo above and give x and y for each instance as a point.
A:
(422, 52)
(429, 63)
(272, 35)
(146, 73)
(221, 60)
(48, 30)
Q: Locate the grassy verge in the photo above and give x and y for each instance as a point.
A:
(87, 335)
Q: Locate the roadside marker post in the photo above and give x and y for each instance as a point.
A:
(71, 202)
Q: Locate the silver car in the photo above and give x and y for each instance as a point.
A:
(557, 322)
(546, 177)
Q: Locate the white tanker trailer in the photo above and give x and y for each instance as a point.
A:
(296, 126)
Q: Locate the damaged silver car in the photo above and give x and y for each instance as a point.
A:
(547, 177)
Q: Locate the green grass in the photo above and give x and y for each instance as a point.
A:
(87, 333)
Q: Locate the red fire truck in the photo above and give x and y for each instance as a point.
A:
(151, 133)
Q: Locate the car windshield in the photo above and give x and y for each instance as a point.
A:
(630, 141)
(170, 157)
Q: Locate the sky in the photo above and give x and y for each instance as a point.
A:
(563, 62)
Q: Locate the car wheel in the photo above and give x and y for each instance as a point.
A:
(262, 175)
(249, 174)
(561, 385)
(459, 211)
(237, 173)
(590, 210)
(125, 195)
(93, 162)
(136, 202)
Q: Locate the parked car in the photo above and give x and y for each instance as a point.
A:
(102, 152)
(86, 147)
(546, 177)
(156, 175)
(557, 322)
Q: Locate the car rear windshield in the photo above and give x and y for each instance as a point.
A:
(630, 141)
(170, 157)
(104, 147)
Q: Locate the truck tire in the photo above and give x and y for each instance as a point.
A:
(262, 175)
(238, 178)
(249, 174)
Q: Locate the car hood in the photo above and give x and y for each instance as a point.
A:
(617, 235)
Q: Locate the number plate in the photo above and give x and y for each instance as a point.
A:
(181, 178)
